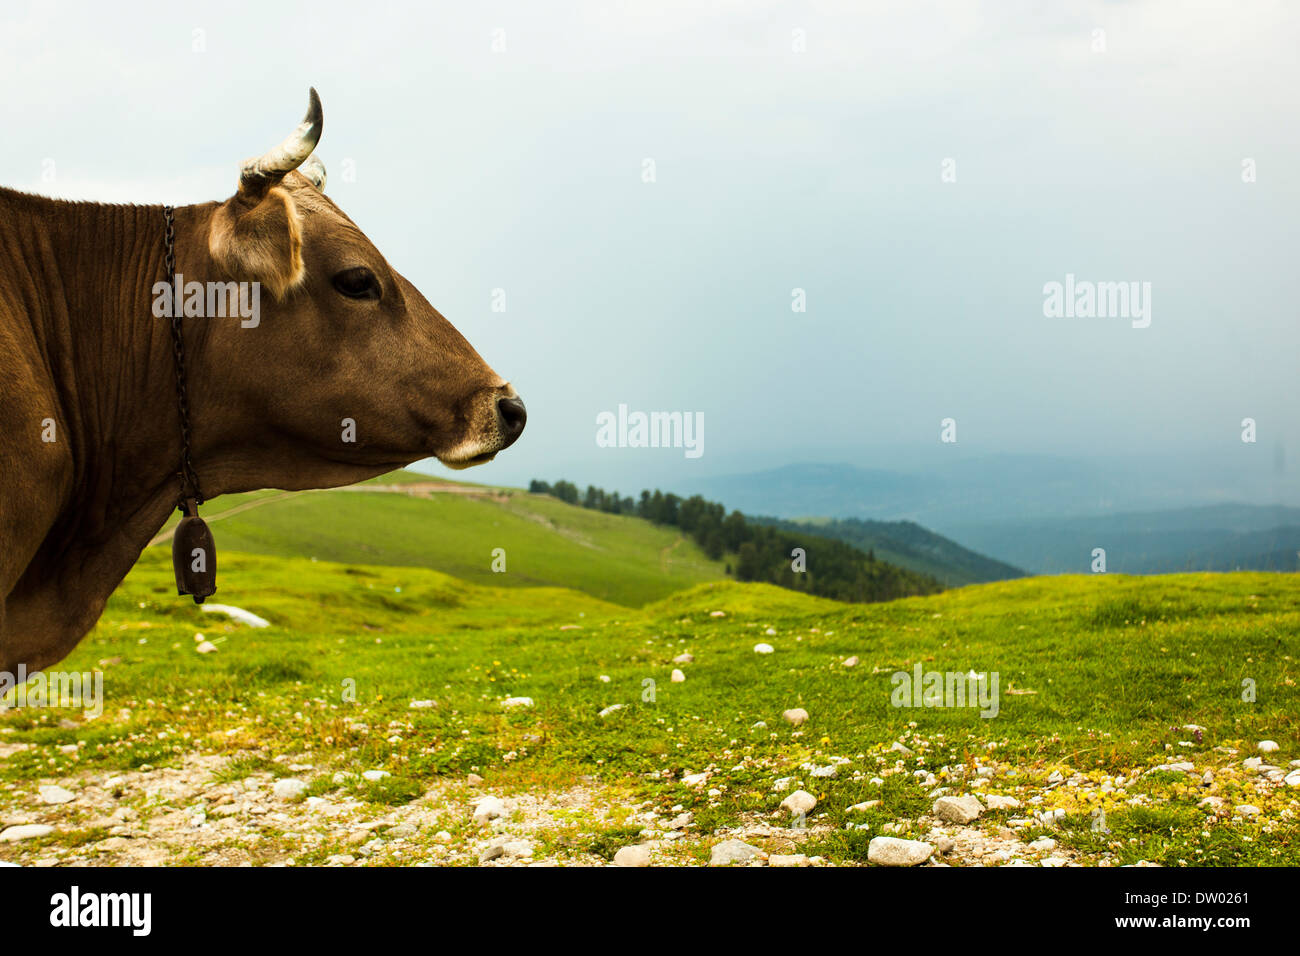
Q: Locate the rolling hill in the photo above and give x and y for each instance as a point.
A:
(910, 546)
(411, 521)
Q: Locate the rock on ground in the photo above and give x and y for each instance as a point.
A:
(733, 851)
(891, 851)
(958, 809)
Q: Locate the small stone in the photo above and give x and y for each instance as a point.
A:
(340, 859)
(489, 808)
(796, 715)
(1055, 777)
(512, 702)
(1045, 845)
(996, 801)
(684, 659)
(1268, 746)
(1053, 861)
(603, 678)
(864, 806)
(25, 831)
(611, 709)
(898, 747)
(801, 801)
(763, 648)
(850, 662)
(473, 780)
(205, 647)
(945, 844)
(770, 632)
(787, 859)
(733, 851)
(677, 677)
(288, 788)
(958, 809)
(1292, 779)
(374, 776)
(1247, 810)
(783, 783)
(423, 704)
(638, 855)
(891, 851)
(695, 779)
(56, 795)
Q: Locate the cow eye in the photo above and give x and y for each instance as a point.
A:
(358, 283)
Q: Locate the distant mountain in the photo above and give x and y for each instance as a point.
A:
(908, 545)
(1213, 538)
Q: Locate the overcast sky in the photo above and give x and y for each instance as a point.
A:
(1114, 156)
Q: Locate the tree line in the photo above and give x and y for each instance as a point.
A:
(755, 552)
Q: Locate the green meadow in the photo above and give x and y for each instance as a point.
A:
(1098, 677)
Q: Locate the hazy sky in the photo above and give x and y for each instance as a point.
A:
(775, 169)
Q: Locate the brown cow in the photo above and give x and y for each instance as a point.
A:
(90, 440)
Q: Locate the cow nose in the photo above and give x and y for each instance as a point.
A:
(513, 417)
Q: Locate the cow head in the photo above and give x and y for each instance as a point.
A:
(349, 371)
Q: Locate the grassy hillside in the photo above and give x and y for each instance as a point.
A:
(1101, 680)
(455, 530)
(910, 546)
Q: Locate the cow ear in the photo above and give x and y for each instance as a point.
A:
(259, 242)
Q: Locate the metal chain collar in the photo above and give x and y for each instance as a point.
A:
(188, 477)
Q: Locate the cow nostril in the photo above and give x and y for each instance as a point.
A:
(513, 417)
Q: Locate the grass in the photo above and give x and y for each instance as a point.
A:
(1098, 674)
(545, 541)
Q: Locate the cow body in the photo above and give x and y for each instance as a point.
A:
(90, 443)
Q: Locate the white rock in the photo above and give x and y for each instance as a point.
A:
(638, 855)
(1247, 810)
(510, 702)
(801, 801)
(1292, 779)
(56, 795)
(733, 851)
(782, 783)
(1045, 845)
(898, 747)
(423, 704)
(489, 808)
(717, 614)
(603, 678)
(288, 788)
(770, 632)
(1268, 746)
(827, 771)
(374, 776)
(25, 831)
(236, 614)
(1053, 861)
(1055, 777)
(958, 809)
(611, 709)
(763, 648)
(695, 779)
(850, 662)
(864, 806)
(684, 659)
(205, 647)
(891, 851)
(677, 676)
(787, 859)
(996, 801)
(796, 715)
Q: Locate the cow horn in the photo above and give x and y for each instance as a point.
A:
(314, 170)
(256, 176)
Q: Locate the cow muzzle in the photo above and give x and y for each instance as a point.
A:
(504, 415)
